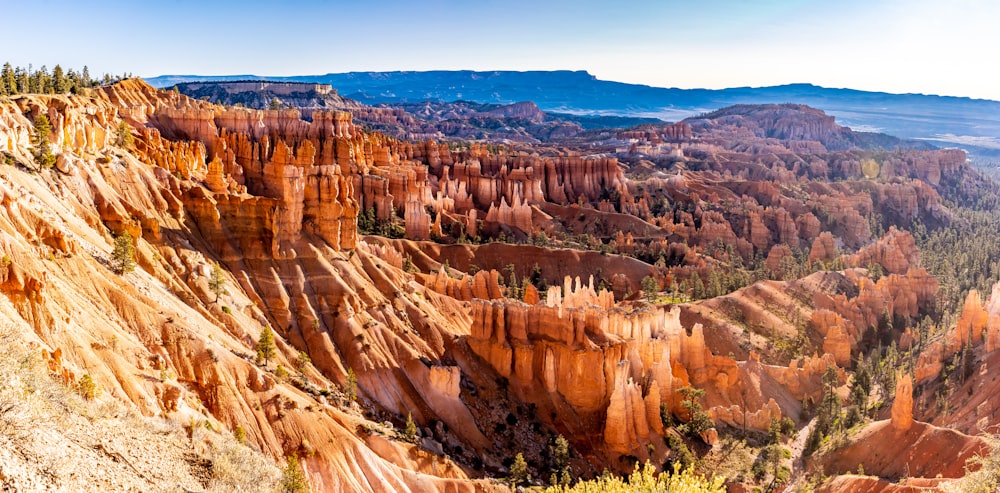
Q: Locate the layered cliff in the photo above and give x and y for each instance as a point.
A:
(372, 330)
(159, 340)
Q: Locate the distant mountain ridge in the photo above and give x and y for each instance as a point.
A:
(970, 123)
(422, 120)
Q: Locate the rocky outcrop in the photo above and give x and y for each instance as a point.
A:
(896, 252)
(573, 351)
(483, 285)
(902, 405)
(972, 322)
(824, 248)
(270, 197)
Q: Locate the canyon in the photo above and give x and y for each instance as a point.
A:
(498, 295)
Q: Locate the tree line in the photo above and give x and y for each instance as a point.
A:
(20, 80)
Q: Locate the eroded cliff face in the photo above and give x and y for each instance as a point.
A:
(581, 359)
(158, 339)
(276, 200)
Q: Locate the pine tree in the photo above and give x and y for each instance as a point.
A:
(351, 385)
(8, 82)
(44, 81)
(123, 134)
(121, 256)
(265, 346)
(59, 85)
(217, 282)
(40, 139)
(519, 471)
(292, 478)
(410, 432)
(700, 420)
(697, 287)
(23, 82)
(42, 130)
(85, 80)
(650, 288)
(559, 451)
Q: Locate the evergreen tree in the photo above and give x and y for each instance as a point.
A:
(697, 287)
(43, 81)
(23, 82)
(351, 385)
(650, 288)
(59, 83)
(217, 281)
(293, 480)
(410, 432)
(519, 471)
(85, 80)
(559, 451)
(72, 81)
(40, 139)
(700, 420)
(123, 134)
(265, 346)
(121, 256)
(8, 81)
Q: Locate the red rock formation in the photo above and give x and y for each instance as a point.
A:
(972, 322)
(776, 257)
(824, 248)
(902, 406)
(838, 344)
(993, 320)
(483, 285)
(896, 252)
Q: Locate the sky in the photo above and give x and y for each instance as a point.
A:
(944, 47)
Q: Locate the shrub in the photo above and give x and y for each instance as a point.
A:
(123, 134)
(236, 467)
(410, 432)
(87, 388)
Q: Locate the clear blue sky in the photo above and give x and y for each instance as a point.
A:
(930, 46)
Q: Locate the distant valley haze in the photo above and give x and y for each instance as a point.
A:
(968, 123)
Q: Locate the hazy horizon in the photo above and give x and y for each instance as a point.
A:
(279, 76)
(896, 46)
